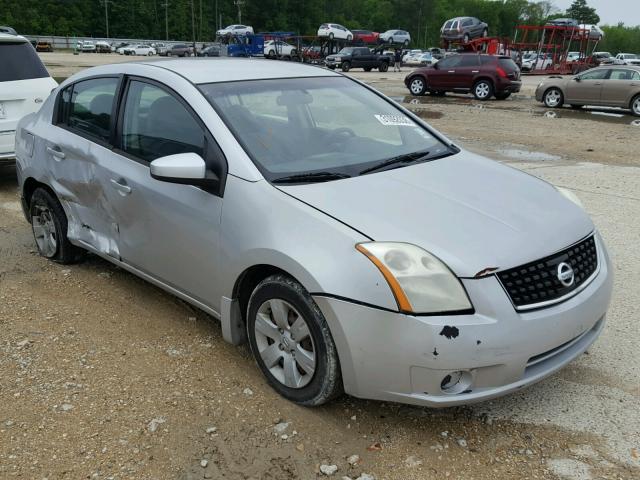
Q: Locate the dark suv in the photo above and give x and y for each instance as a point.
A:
(357, 57)
(463, 29)
(180, 50)
(482, 75)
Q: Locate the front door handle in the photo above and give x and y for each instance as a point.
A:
(123, 188)
(56, 152)
(475, 71)
(451, 71)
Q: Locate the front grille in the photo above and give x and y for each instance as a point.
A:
(536, 284)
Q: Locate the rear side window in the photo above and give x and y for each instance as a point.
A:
(19, 61)
(90, 107)
(507, 64)
(157, 124)
(469, 61)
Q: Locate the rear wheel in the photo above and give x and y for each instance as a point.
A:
(417, 86)
(553, 98)
(485, 32)
(483, 90)
(349, 38)
(406, 43)
(465, 39)
(49, 226)
(291, 342)
(346, 66)
(635, 105)
(331, 35)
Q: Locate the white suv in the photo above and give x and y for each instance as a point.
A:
(24, 85)
(334, 30)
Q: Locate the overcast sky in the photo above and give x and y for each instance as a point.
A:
(611, 11)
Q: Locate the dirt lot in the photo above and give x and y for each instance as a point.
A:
(105, 376)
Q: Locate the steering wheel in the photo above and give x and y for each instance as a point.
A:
(339, 136)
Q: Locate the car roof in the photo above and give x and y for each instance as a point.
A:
(8, 37)
(215, 70)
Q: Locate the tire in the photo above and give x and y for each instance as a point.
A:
(149, 54)
(345, 66)
(503, 95)
(465, 39)
(293, 53)
(553, 98)
(390, 40)
(49, 226)
(417, 86)
(349, 38)
(384, 66)
(280, 310)
(483, 90)
(331, 35)
(406, 43)
(485, 32)
(635, 105)
(272, 54)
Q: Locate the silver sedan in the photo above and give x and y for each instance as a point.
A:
(354, 247)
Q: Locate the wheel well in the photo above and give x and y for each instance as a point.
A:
(633, 100)
(487, 79)
(30, 186)
(248, 281)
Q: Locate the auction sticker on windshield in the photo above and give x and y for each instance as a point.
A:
(394, 120)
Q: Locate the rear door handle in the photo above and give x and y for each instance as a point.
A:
(123, 188)
(475, 71)
(451, 71)
(56, 152)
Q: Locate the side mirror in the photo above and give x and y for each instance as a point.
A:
(576, 79)
(183, 168)
(436, 65)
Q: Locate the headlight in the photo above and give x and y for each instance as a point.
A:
(568, 194)
(420, 282)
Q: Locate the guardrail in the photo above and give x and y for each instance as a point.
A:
(71, 42)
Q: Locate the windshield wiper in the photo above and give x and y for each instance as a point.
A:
(312, 177)
(407, 158)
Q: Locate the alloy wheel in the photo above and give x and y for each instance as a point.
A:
(417, 86)
(483, 90)
(635, 106)
(552, 98)
(44, 231)
(284, 343)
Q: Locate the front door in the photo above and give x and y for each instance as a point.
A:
(168, 231)
(443, 75)
(586, 89)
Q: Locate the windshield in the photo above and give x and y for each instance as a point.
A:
(346, 51)
(20, 61)
(320, 124)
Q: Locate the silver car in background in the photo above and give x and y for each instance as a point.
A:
(355, 248)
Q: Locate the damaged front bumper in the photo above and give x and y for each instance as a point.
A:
(441, 361)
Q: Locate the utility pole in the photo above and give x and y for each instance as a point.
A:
(217, 25)
(106, 13)
(166, 19)
(193, 28)
(239, 4)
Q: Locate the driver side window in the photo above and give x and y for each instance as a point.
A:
(156, 124)
(594, 75)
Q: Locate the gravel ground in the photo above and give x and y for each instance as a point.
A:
(105, 376)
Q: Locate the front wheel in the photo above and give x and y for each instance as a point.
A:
(291, 342)
(635, 105)
(384, 66)
(406, 43)
(331, 35)
(466, 38)
(553, 98)
(349, 38)
(417, 86)
(149, 54)
(346, 66)
(485, 33)
(483, 90)
(49, 225)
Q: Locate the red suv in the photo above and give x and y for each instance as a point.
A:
(482, 75)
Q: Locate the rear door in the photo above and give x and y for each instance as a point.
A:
(78, 147)
(466, 71)
(586, 89)
(616, 90)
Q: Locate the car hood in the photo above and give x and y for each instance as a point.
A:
(471, 212)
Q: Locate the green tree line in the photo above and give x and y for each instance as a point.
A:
(185, 19)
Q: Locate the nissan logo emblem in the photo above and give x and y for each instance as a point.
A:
(565, 274)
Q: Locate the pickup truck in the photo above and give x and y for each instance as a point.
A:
(357, 57)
